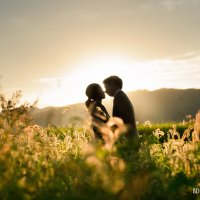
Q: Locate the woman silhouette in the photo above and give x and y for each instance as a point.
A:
(97, 111)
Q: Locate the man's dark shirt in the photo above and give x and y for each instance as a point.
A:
(123, 108)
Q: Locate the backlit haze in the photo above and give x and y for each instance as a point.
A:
(51, 50)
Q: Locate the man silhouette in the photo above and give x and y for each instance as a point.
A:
(122, 106)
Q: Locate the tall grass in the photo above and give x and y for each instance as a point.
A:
(67, 163)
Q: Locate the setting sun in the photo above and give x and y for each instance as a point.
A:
(70, 88)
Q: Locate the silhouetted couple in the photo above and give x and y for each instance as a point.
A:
(122, 107)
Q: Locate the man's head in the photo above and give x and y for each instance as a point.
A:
(112, 84)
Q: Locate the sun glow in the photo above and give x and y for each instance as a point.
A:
(70, 88)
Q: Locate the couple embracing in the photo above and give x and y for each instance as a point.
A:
(122, 106)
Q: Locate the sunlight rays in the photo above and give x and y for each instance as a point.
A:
(136, 75)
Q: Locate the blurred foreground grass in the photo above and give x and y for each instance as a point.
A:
(67, 163)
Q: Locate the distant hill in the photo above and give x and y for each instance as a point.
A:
(165, 105)
(60, 116)
(161, 105)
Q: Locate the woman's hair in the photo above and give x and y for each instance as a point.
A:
(114, 80)
(87, 103)
(94, 91)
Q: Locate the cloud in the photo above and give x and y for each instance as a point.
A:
(175, 72)
(173, 4)
(189, 57)
(49, 79)
(170, 5)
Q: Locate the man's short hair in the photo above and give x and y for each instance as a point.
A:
(114, 80)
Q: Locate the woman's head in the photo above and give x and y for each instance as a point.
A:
(94, 91)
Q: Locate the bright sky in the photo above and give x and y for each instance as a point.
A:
(51, 50)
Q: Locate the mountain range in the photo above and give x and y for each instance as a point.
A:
(162, 105)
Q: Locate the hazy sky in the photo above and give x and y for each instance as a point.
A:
(52, 49)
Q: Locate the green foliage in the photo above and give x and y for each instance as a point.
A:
(147, 128)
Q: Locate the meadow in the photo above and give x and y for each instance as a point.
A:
(68, 163)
